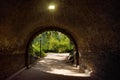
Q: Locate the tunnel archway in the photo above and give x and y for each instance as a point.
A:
(38, 31)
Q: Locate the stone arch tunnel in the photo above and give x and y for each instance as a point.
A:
(94, 25)
(40, 30)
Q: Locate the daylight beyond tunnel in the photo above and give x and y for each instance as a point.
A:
(50, 41)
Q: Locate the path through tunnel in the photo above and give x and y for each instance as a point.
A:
(56, 51)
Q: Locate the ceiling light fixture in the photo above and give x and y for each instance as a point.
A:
(51, 7)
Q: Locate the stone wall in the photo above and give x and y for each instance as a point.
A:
(12, 55)
(102, 54)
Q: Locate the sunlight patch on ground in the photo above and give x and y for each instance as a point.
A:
(68, 73)
(55, 64)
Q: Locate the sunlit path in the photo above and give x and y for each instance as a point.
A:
(56, 64)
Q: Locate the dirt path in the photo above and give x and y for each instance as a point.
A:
(56, 64)
(52, 67)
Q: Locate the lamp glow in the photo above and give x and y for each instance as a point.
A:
(51, 7)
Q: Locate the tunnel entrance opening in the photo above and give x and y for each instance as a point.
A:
(51, 61)
(51, 42)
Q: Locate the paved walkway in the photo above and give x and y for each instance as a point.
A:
(52, 67)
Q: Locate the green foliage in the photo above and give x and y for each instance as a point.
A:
(50, 41)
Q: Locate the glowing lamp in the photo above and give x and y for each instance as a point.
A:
(51, 7)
